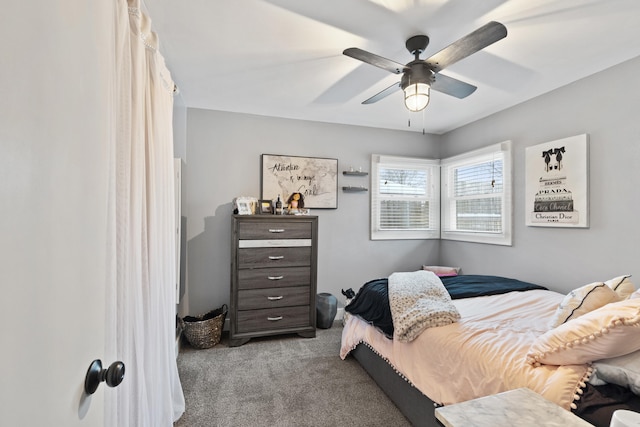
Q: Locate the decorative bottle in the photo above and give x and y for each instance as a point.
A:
(278, 206)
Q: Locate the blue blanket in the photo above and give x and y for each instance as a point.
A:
(471, 285)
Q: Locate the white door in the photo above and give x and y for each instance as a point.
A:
(54, 128)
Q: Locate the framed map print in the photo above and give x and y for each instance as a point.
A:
(315, 178)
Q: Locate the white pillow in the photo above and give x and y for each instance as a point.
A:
(609, 331)
(622, 370)
(622, 285)
(583, 300)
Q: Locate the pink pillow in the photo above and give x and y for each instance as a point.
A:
(442, 271)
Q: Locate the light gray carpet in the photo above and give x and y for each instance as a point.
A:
(281, 381)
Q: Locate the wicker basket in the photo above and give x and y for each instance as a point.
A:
(204, 331)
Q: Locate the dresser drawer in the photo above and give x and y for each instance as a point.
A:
(252, 299)
(274, 230)
(273, 277)
(272, 318)
(274, 257)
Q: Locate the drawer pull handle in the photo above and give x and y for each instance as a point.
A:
(279, 297)
(275, 258)
(274, 319)
(276, 230)
(275, 277)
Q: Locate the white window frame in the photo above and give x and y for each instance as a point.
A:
(433, 196)
(501, 150)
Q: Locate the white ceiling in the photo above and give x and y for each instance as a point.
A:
(284, 58)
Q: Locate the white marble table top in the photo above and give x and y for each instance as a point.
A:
(520, 407)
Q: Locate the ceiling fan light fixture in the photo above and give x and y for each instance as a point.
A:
(416, 96)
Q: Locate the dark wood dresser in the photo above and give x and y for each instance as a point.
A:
(273, 276)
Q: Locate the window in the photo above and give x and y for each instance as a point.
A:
(405, 195)
(476, 196)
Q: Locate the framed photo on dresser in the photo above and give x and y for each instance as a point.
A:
(266, 207)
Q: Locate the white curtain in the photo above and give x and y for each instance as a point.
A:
(141, 295)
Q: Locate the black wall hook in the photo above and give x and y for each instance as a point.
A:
(113, 375)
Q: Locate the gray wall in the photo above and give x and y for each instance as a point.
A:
(223, 162)
(606, 106)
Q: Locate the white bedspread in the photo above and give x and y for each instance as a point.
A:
(483, 353)
(418, 300)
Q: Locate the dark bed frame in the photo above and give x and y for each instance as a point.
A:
(418, 408)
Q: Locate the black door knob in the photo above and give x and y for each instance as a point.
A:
(113, 375)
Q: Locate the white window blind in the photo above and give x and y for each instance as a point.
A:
(476, 195)
(405, 195)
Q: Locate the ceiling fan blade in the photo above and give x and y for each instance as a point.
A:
(451, 86)
(467, 45)
(378, 96)
(373, 59)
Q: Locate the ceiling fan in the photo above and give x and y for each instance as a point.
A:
(421, 75)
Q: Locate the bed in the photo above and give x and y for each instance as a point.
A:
(507, 334)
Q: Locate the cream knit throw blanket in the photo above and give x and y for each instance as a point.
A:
(418, 301)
